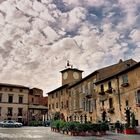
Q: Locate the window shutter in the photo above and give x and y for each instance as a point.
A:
(81, 102)
(136, 97)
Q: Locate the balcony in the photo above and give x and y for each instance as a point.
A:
(102, 93)
(110, 90)
(9, 114)
(88, 95)
(111, 110)
(102, 109)
(125, 84)
(20, 114)
(138, 105)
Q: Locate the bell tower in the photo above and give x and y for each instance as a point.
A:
(70, 74)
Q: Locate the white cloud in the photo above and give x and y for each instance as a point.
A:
(37, 38)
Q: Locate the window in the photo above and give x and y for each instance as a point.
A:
(90, 106)
(102, 103)
(10, 110)
(94, 103)
(52, 106)
(83, 88)
(10, 99)
(49, 106)
(61, 104)
(84, 104)
(0, 97)
(11, 89)
(138, 97)
(87, 105)
(127, 103)
(20, 99)
(90, 119)
(89, 87)
(0, 111)
(32, 100)
(124, 78)
(69, 94)
(56, 105)
(109, 85)
(61, 92)
(21, 90)
(80, 102)
(52, 95)
(102, 87)
(56, 95)
(110, 103)
(20, 110)
(67, 103)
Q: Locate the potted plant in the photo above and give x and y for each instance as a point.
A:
(103, 128)
(72, 128)
(131, 129)
(118, 127)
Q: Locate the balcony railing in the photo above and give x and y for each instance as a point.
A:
(138, 105)
(102, 93)
(125, 84)
(102, 109)
(20, 114)
(9, 114)
(111, 110)
(110, 90)
(88, 95)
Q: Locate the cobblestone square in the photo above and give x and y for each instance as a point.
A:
(45, 133)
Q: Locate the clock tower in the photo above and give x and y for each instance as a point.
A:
(70, 74)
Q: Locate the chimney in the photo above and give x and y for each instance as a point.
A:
(120, 61)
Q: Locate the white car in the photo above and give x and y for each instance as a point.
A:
(10, 123)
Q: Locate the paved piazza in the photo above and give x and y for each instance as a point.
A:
(44, 133)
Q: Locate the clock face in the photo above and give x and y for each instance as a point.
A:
(65, 75)
(76, 75)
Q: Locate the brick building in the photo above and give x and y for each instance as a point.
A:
(36, 109)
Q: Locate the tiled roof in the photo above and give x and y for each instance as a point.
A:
(119, 73)
(57, 89)
(12, 85)
(108, 71)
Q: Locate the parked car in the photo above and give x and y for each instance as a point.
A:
(10, 123)
(46, 123)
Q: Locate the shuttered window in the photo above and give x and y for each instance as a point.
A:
(138, 97)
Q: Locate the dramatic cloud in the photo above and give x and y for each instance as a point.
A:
(39, 36)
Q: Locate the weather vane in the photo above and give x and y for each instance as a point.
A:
(69, 65)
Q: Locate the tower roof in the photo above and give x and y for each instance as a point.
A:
(73, 69)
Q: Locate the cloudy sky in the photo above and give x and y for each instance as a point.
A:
(37, 37)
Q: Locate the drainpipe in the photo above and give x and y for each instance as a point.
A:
(119, 97)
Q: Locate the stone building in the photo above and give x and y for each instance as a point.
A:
(77, 98)
(119, 96)
(14, 102)
(21, 103)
